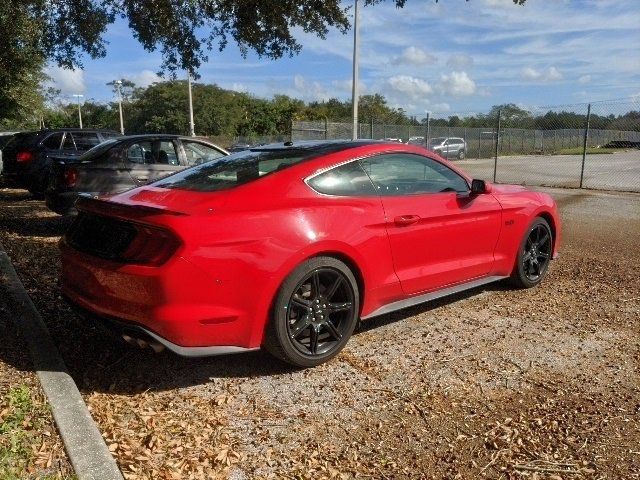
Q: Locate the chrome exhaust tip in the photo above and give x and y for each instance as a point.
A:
(157, 347)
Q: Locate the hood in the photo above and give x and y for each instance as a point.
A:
(499, 188)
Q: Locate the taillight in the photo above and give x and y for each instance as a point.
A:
(151, 246)
(24, 157)
(70, 176)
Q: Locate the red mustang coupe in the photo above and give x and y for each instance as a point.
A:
(286, 246)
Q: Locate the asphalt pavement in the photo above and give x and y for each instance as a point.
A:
(616, 171)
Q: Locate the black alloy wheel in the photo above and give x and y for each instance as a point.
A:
(316, 311)
(534, 255)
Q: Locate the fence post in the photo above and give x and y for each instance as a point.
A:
(584, 144)
(371, 129)
(479, 141)
(495, 160)
(426, 138)
(542, 141)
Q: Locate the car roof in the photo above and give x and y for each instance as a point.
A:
(321, 147)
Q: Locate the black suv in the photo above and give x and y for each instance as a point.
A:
(27, 157)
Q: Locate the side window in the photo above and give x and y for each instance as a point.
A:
(85, 141)
(407, 174)
(140, 153)
(198, 153)
(68, 144)
(53, 141)
(167, 154)
(346, 180)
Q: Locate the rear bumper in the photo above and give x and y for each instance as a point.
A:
(61, 203)
(122, 328)
(177, 304)
(13, 180)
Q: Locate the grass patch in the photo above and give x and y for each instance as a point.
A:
(23, 420)
(590, 151)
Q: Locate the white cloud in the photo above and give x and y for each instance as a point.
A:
(411, 86)
(310, 90)
(68, 81)
(459, 61)
(145, 78)
(440, 107)
(457, 84)
(584, 79)
(414, 56)
(239, 87)
(551, 74)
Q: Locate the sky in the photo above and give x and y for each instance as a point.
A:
(450, 57)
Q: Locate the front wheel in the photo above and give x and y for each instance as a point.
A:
(461, 155)
(534, 255)
(315, 313)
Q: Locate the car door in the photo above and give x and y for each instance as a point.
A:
(439, 233)
(149, 160)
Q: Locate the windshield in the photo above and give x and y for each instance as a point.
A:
(437, 141)
(235, 169)
(98, 149)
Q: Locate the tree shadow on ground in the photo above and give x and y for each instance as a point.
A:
(117, 367)
(23, 222)
(101, 362)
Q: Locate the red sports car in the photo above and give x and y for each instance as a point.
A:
(286, 246)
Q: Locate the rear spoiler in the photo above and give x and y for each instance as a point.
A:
(103, 206)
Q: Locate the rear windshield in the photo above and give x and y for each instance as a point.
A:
(98, 149)
(235, 169)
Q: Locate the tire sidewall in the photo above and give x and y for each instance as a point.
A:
(278, 324)
(518, 274)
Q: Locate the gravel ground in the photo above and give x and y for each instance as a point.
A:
(494, 383)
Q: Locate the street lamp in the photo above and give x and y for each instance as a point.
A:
(78, 97)
(119, 86)
(192, 129)
(354, 86)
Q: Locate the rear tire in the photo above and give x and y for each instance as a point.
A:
(314, 313)
(534, 255)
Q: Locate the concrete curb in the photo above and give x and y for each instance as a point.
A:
(83, 442)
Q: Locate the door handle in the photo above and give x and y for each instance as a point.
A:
(405, 220)
(142, 179)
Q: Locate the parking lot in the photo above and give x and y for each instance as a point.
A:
(495, 383)
(618, 171)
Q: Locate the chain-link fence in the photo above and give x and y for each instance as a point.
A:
(594, 145)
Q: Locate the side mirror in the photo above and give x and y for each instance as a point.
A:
(479, 186)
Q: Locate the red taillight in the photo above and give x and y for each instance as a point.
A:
(151, 246)
(70, 176)
(24, 156)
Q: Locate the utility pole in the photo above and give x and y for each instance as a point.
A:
(119, 86)
(192, 128)
(354, 86)
(78, 97)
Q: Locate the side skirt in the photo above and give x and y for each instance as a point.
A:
(426, 297)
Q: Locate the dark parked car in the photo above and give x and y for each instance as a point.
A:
(123, 163)
(27, 157)
(5, 137)
(449, 147)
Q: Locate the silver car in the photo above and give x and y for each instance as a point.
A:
(449, 147)
(123, 163)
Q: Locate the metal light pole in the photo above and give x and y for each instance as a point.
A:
(119, 85)
(192, 129)
(354, 86)
(78, 96)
